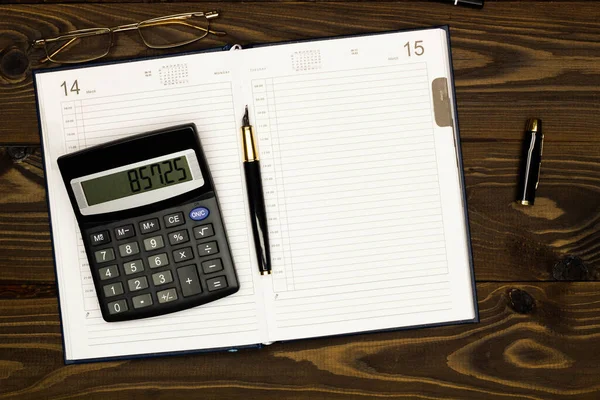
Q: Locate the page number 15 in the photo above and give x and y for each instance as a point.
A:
(416, 48)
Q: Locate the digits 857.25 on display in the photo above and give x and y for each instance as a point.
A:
(151, 224)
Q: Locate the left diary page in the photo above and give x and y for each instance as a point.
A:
(85, 106)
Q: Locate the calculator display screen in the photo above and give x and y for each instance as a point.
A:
(139, 179)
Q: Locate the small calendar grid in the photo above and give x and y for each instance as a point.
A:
(173, 74)
(306, 60)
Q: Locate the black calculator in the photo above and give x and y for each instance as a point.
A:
(151, 223)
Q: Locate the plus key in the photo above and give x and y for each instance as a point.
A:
(189, 281)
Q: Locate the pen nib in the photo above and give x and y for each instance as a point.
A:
(246, 120)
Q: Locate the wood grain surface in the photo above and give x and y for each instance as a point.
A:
(539, 330)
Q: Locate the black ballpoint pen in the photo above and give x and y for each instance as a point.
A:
(256, 199)
(468, 3)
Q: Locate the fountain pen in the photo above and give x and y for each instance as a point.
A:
(256, 199)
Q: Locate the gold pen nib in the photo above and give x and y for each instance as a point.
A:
(248, 139)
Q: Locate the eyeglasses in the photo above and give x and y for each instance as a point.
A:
(158, 33)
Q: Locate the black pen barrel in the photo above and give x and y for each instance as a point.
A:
(467, 3)
(258, 215)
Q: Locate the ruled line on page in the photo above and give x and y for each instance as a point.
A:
(331, 271)
(153, 115)
(376, 168)
(382, 76)
(353, 134)
(127, 97)
(351, 89)
(153, 112)
(317, 280)
(353, 72)
(92, 110)
(349, 139)
(332, 102)
(383, 303)
(196, 323)
(246, 328)
(333, 211)
(362, 233)
(440, 306)
(299, 299)
(429, 194)
(413, 203)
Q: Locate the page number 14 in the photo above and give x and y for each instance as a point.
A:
(74, 87)
(416, 48)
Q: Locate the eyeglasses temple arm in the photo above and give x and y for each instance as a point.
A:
(61, 48)
(167, 22)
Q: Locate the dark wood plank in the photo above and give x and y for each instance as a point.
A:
(534, 341)
(510, 242)
(25, 251)
(513, 60)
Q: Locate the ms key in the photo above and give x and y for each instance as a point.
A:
(199, 213)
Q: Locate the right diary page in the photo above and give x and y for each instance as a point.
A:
(364, 200)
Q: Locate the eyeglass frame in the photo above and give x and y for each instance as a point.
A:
(82, 33)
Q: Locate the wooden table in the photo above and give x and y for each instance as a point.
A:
(539, 332)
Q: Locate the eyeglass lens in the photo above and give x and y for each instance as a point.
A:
(71, 49)
(173, 32)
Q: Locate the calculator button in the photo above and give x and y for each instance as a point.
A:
(154, 243)
(184, 254)
(133, 267)
(174, 219)
(137, 283)
(108, 272)
(210, 266)
(166, 296)
(158, 260)
(217, 283)
(117, 307)
(209, 248)
(149, 226)
(178, 237)
(99, 238)
(104, 255)
(142, 301)
(162, 278)
(113, 290)
(189, 281)
(129, 249)
(199, 213)
(124, 232)
(203, 231)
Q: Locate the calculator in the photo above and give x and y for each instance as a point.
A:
(151, 224)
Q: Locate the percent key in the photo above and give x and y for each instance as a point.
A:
(178, 237)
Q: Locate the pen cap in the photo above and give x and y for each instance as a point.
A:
(531, 160)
